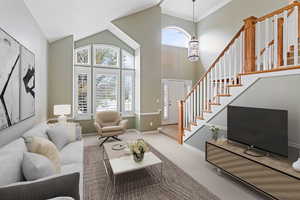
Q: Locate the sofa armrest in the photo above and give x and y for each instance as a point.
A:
(124, 123)
(46, 188)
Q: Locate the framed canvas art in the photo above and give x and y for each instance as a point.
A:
(17, 81)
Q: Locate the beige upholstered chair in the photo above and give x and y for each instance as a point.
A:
(109, 124)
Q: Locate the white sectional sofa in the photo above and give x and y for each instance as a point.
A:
(68, 183)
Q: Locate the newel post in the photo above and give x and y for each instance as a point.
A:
(249, 42)
(180, 122)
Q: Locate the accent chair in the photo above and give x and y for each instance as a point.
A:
(109, 124)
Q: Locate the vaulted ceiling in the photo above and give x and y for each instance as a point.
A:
(60, 18)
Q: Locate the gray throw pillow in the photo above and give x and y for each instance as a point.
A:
(36, 166)
(11, 157)
(58, 134)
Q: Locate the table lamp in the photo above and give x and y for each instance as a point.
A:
(62, 111)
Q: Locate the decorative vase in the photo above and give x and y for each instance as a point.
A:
(138, 157)
(215, 136)
(296, 165)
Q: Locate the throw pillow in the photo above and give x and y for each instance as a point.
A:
(62, 134)
(36, 166)
(46, 148)
(11, 157)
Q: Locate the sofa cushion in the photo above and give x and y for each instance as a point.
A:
(39, 131)
(112, 128)
(72, 153)
(62, 134)
(45, 188)
(11, 157)
(36, 166)
(46, 148)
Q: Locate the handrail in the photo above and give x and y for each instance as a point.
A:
(215, 62)
(281, 10)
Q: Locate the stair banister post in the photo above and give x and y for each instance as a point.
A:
(249, 42)
(180, 122)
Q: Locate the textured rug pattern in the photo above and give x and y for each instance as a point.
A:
(144, 184)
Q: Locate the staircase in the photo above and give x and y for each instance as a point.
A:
(263, 45)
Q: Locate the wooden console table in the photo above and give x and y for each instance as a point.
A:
(273, 176)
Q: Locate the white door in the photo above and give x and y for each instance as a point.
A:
(173, 91)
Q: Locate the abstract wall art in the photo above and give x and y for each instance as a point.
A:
(17, 82)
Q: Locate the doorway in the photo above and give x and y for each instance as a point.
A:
(173, 91)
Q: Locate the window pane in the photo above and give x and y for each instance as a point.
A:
(82, 55)
(82, 98)
(166, 101)
(128, 91)
(82, 94)
(106, 56)
(106, 91)
(174, 37)
(127, 60)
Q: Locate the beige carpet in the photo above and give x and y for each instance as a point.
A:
(139, 185)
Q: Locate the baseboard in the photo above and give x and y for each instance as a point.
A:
(194, 149)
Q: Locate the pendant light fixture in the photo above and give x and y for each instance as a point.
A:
(193, 48)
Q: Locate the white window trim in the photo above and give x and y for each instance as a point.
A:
(129, 54)
(106, 71)
(77, 71)
(128, 113)
(117, 49)
(88, 47)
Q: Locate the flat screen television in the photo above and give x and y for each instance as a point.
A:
(264, 129)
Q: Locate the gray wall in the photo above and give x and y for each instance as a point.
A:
(16, 19)
(104, 37)
(175, 64)
(188, 26)
(145, 28)
(60, 73)
(273, 93)
(216, 30)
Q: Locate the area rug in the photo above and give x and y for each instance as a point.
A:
(144, 184)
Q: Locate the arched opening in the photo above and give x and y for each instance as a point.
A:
(175, 36)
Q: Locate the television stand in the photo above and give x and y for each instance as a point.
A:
(270, 175)
(251, 151)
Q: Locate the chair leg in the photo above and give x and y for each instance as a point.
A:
(116, 138)
(104, 141)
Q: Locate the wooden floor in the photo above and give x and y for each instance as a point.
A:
(170, 131)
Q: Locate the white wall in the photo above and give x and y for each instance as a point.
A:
(273, 93)
(16, 20)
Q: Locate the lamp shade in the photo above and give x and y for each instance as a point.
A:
(62, 109)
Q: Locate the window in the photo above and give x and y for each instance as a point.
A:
(112, 83)
(106, 89)
(175, 36)
(83, 56)
(82, 98)
(106, 56)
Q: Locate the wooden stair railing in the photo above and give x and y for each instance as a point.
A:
(212, 85)
(265, 44)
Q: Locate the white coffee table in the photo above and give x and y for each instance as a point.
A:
(121, 161)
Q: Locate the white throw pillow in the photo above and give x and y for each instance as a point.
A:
(46, 148)
(36, 166)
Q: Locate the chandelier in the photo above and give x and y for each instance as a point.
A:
(193, 47)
